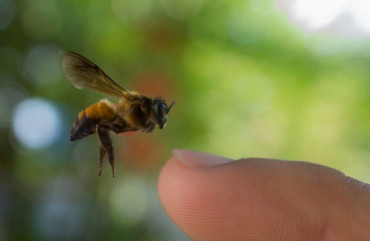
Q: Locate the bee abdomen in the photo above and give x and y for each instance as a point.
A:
(88, 119)
(82, 127)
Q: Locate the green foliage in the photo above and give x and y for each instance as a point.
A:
(247, 82)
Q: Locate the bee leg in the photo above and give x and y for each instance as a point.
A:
(148, 127)
(107, 146)
(119, 125)
(111, 158)
(101, 158)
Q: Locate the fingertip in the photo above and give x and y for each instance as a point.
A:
(166, 177)
(183, 176)
(177, 184)
(197, 200)
(253, 199)
(199, 159)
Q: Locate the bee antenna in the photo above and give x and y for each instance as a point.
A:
(169, 107)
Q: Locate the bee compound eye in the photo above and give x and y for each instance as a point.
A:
(163, 106)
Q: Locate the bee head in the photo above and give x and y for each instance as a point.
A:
(160, 111)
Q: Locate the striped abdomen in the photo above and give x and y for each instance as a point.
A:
(88, 119)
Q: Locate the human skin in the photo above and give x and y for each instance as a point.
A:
(216, 198)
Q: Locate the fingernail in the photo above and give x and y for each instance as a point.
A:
(199, 159)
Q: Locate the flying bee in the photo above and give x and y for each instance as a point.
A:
(133, 112)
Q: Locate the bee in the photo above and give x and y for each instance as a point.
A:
(133, 112)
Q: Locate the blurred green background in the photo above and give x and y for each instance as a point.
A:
(247, 78)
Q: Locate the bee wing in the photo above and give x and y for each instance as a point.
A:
(85, 74)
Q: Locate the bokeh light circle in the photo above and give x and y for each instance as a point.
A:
(41, 13)
(129, 202)
(10, 96)
(7, 12)
(182, 10)
(42, 64)
(36, 123)
(131, 10)
(361, 14)
(345, 17)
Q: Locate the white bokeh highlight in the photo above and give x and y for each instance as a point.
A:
(36, 123)
(346, 17)
(317, 13)
(361, 14)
